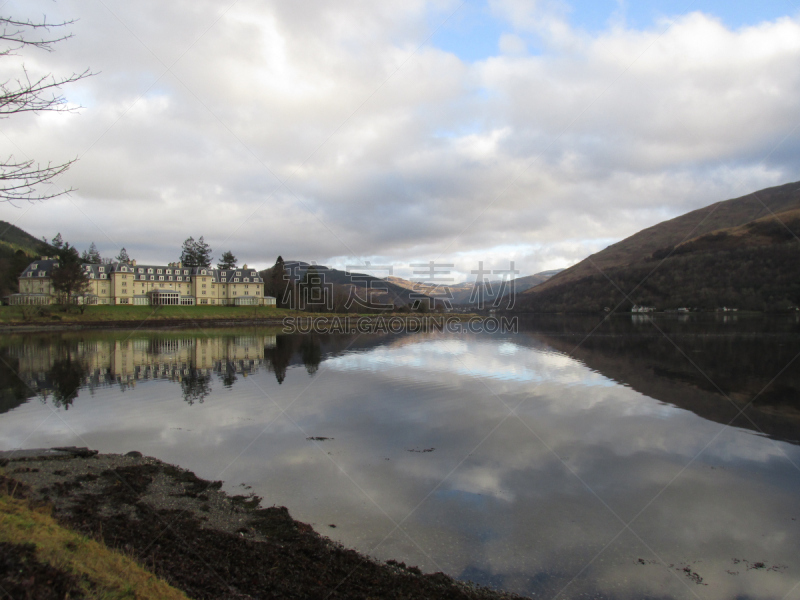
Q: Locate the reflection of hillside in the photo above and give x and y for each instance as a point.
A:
(739, 367)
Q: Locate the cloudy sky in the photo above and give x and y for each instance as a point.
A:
(402, 132)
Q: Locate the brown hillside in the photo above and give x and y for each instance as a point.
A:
(723, 215)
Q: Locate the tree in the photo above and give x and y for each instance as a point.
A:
(196, 254)
(69, 278)
(57, 242)
(189, 253)
(20, 178)
(227, 261)
(123, 256)
(277, 282)
(92, 255)
(204, 257)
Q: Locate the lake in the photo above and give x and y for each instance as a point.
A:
(630, 457)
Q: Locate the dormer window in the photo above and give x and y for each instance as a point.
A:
(124, 269)
(41, 273)
(246, 279)
(101, 269)
(35, 266)
(160, 271)
(30, 273)
(253, 273)
(180, 278)
(149, 270)
(152, 277)
(169, 271)
(238, 272)
(141, 270)
(170, 277)
(203, 272)
(91, 275)
(236, 280)
(103, 276)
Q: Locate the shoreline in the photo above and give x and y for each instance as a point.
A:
(347, 321)
(204, 541)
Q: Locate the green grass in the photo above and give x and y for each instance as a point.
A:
(55, 314)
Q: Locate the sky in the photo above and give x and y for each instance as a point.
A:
(407, 132)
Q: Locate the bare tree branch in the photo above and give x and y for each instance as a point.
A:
(20, 180)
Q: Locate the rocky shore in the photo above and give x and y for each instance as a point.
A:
(203, 541)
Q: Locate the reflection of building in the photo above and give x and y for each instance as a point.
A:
(129, 283)
(127, 361)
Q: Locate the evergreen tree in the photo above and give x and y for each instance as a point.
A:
(196, 253)
(57, 242)
(69, 279)
(189, 253)
(123, 256)
(203, 253)
(278, 285)
(227, 261)
(92, 255)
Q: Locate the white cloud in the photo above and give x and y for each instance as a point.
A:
(391, 147)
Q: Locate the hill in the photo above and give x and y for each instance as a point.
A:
(379, 291)
(733, 253)
(466, 294)
(17, 249)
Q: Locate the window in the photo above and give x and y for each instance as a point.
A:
(124, 269)
(102, 276)
(169, 271)
(124, 276)
(35, 266)
(41, 273)
(161, 278)
(203, 272)
(101, 269)
(204, 285)
(170, 277)
(203, 301)
(30, 274)
(236, 279)
(257, 292)
(246, 279)
(141, 270)
(204, 291)
(180, 278)
(152, 277)
(149, 270)
(238, 272)
(253, 273)
(160, 271)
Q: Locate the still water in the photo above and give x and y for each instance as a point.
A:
(625, 459)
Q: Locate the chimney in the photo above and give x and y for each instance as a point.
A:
(133, 262)
(244, 266)
(180, 264)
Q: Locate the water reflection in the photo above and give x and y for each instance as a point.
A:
(625, 426)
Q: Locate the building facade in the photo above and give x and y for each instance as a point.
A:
(131, 283)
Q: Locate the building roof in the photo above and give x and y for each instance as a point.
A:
(44, 268)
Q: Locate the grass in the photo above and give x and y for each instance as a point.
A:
(110, 313)
(105, 574)
(50, 315)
